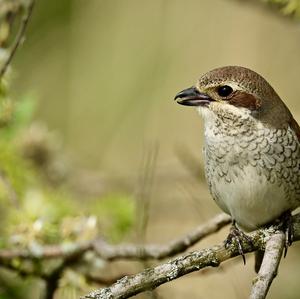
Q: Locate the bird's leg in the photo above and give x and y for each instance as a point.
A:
(284, 223)
(236, 237)
(287, 227)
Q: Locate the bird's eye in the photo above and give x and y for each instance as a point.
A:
(224, 91)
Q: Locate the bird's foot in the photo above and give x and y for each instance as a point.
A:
(237, 237)
(287, 227)
(285, 224)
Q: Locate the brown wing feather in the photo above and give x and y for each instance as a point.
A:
(294, 125)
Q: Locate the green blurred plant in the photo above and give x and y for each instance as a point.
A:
(286, 7)
(37, 209)
(34, 211)
(39, 205)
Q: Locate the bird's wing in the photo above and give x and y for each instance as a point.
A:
(295, 127)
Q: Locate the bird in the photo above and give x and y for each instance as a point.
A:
(251, 148)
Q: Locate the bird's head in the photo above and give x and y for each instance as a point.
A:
(235, 90)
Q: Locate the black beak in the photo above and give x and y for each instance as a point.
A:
(192, 97)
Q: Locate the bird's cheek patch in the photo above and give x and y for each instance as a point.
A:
(245, 100)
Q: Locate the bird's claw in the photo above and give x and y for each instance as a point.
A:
(237, 237)
(287, 227)
(285, 224)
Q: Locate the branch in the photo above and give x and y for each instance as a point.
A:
(19, 37)
(70, 255)
(52, 280)
(146, 252)
(103, 280)
(123, 251)
(72, 252)
(269, 267)
(153, 277)
(46, 252)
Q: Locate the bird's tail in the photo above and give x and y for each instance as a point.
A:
(259, 255)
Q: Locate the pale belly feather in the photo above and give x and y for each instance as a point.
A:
(253, 171)
(250, 198)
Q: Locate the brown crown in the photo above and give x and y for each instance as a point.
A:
(255, 93)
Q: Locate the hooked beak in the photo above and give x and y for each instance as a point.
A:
(192, 97)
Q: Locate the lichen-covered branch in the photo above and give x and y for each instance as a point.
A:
(194, 261)
(269, 266)
(153, 277)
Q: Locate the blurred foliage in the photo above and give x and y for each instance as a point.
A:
(116, 214)
(286, 7)
(37, 208)
(105, 73)
(34, 211)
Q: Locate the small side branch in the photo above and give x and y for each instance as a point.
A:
(52, 279)
(269, 267)
(19, 37)
(122, 251)
(45, 252)
(158, 252)
(72, 252)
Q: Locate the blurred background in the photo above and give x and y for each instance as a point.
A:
(102, 76)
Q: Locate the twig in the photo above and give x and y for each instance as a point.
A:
(19, 37)
(269, 266)
(123, 251)
(146, 178)
(52, 279)
(46, 252)
(143, 198)
(70, 253)
(153, 277)
(157, 252)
